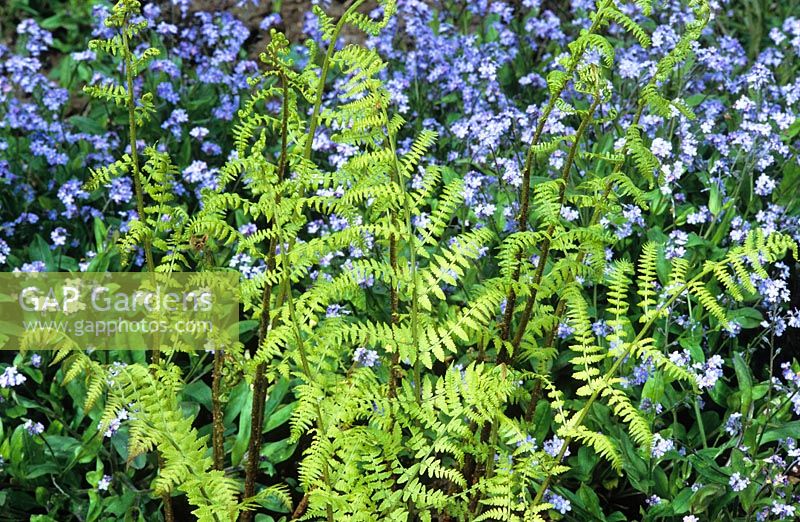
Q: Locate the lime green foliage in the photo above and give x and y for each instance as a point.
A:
(443, 427)
(153, 178)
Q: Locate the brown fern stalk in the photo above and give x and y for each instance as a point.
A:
(169, 515)
(218, 428)
(394, 298)
(544, 253)
(522, 223)
(217, 424)
(561, 308)
(301, 349)
(260, 382)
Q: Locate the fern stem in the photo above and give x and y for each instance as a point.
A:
(581, 416)
(412, 240)
(326, 63)
(306, 368)
(396, 178)
(169, 515)
(260, 383)
(296, 324)
(562, 304)
(394, 298)
(544, 253)
(395, 316)
(301, 508)
(218, 435)
(522, 223)
(475, 508)
(137, 176)
(412, 245)
(217, 423)
(254, 445)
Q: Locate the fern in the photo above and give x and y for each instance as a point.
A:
(441, 425)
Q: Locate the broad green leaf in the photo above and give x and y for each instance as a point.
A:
(745, 383)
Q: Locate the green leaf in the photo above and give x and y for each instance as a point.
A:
(745, 383)
(185, 153)
(275, 396)
(87, 125)
(680, 504)
(590, 501)
(100, 262)
(661, 482)
(39, 470)
(714, 200)
(746, 317)
(788, 429)
(695, 100)
(279, 417)
(794, 129)
(100, 234)
(39, 250)
(243, 435)
(704, 496)
(277, 452)
(247, 329)
(236, 401)
(654, 388)
(199, 392)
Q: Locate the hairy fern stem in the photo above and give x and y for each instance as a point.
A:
(561, 307)
(137, 175)
(218, 428)
(545, 247)
(128, 61)
(305, 366)
(260, 382)
(412, 247)
(326, 64)
(522, 223)
(394, 297)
